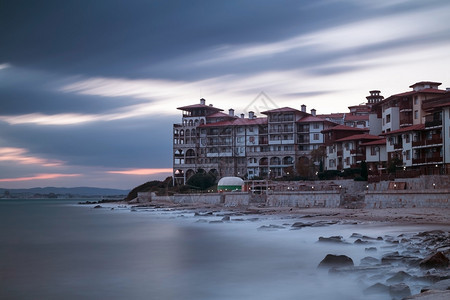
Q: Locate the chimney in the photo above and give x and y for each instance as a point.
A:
(313, 112)
(251, 115)
(242, 116)
(303, 108)
(231, 112)
(202, 101)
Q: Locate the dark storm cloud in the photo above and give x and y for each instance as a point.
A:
(120, 144)
(120, 37)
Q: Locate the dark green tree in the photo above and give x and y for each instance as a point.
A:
(201, 180)
(364, 172)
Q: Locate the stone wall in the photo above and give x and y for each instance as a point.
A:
(198, 198)
(437, 198)
(420, 183)
(236, 199)
(328, 199)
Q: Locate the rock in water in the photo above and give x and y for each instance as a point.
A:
(399, 291)
(332, 260)
(431, 295)
(331, 239)
(437, 260)
(377, 288)
(442, 285)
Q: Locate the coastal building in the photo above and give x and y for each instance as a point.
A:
(253, 147)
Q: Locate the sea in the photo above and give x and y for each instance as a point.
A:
(58, 249)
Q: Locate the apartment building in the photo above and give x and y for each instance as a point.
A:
(404, 109)
(228, 145)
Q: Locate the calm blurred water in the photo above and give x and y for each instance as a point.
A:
(54, 249)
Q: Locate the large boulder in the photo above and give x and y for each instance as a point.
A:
(399, 291)
(431, 295)
(442, 285)
(332, 260)
(437, 260)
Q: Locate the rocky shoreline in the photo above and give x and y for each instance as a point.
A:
(411, 262)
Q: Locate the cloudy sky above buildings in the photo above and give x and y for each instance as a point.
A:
(89, 89)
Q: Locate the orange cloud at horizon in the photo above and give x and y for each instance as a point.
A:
(38, 177)
(142, 171)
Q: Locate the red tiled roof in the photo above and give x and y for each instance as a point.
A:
(333, 115)
(376, 142)
(356, 118)
(189, 107)
(364, 136)
(344, 128)
(309, 119)
(237, 121)
(425, 82)
(220, 115)
(405, 129)
(282, 109)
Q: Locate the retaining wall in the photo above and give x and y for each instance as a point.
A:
(328, 199)
(198, 198)
(437, 198)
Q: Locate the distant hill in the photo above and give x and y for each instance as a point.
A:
(76, 191)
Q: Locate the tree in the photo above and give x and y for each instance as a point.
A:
(201, 180)
(392, 167)
(364, 172)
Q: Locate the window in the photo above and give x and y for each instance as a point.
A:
(408, 154)
(416, 114)
(388, 118)
(407, 138)
(316, 136)
(373, 150)
(316, 125)
(415, 99)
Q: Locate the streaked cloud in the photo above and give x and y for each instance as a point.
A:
(38, 177)
(21, 156)
(4, 66)
(142, 171)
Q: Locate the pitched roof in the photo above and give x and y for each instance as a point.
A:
(193, 106)
(220, 115)
(405, 129)
(376, 142)
(356, 117)
(237, 122)
(309, 119)
(282, 109)
(345, 128)
(364, 136)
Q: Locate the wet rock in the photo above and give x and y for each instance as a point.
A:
(437, 260)
(332, 260)
(442, 285)
(226, 218)
(399, 291)
(215, 222)
(361, 242)
(201, 221)
(369, 260)
(371, 249)
(396, 258)
(356, 235)
(331, 239)
(270, 227)
(377, 288)
(399, 277)
(431, 295)
(98, 206)
(207, 214)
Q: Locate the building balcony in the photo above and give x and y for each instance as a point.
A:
(427, 160)
(427, 143)
(398, 146)
(339, 153)
(433, 123)
(406, 122)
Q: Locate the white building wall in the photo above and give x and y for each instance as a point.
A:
(375, 125)
(394, 122)
(377, 156)
(446, 134)
(407, 146)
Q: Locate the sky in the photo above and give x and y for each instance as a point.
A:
(89, 90)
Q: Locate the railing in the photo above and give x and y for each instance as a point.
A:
(433, 123)
(433, 141)
(398, 146)
(425, 160)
